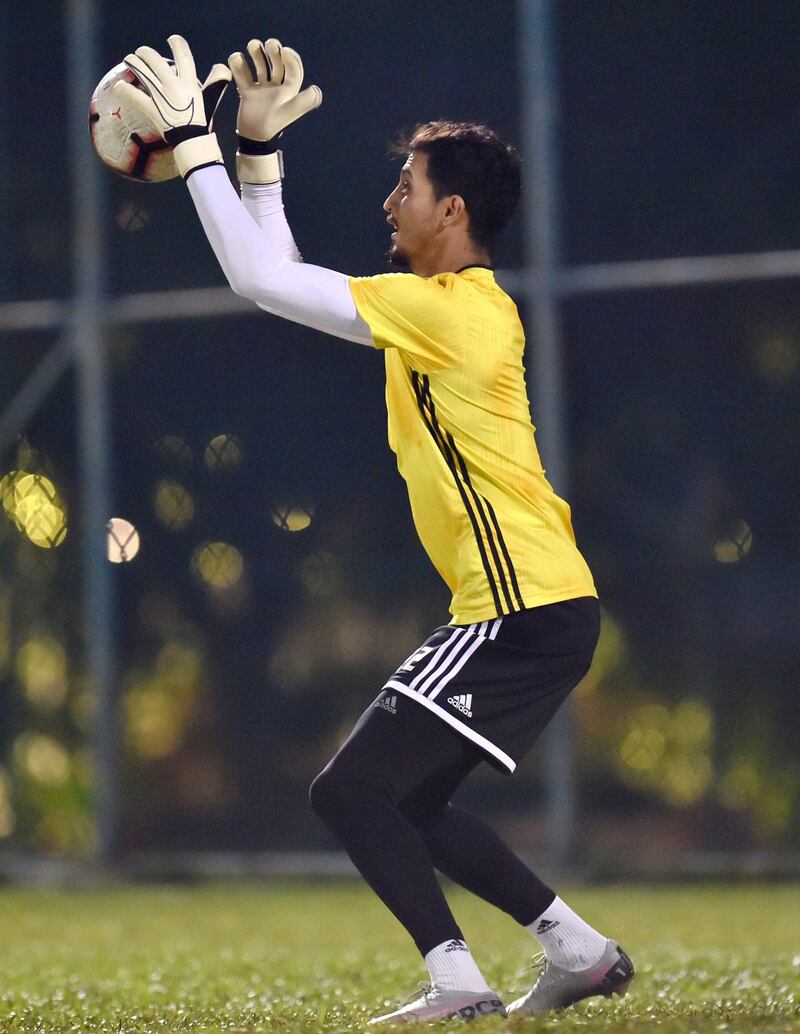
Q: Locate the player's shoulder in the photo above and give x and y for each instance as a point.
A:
(411, 285)
(401, 281)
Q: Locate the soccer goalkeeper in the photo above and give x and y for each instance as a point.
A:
(525, 617)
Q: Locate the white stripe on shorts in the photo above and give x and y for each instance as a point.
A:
(466, 644)
(465, 656)
(483, 628)
(437, 656)
(460, 726)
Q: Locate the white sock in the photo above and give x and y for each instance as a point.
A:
(452, 966)
(568, 941)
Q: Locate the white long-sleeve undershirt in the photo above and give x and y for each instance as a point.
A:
(255, 248)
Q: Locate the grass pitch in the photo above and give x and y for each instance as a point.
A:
(325, 957)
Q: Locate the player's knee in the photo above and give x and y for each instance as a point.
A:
(328, 794)
(341, 793)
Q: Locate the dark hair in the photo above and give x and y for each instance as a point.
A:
(471, 160)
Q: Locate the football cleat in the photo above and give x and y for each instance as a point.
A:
(557, 988)
(438, 1003)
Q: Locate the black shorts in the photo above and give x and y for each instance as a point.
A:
(499, 682)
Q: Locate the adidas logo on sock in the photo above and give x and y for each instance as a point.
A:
(456, 946)
(462, 703)
(388, 704)
(546, 925)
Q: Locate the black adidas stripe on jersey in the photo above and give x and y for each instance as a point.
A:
(474, 503)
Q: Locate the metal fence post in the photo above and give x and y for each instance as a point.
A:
(87, 329)
(539, 107)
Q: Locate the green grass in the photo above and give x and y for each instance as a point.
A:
(307, 957)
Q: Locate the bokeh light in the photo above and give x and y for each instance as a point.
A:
(289, 517)
(224, 452)
(33, 504)
(218, 564)
(173, 505)
(122, 540)
(776, 358)
(666, 751)
(42, 669)
(132, 215)
(172, 449)
(42, 758)
(7, 817)
(734, 543)
(160, 703)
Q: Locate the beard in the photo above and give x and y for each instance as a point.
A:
(398, 259)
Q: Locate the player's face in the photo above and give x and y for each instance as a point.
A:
(412, 210)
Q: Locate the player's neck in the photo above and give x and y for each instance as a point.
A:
(449, 258)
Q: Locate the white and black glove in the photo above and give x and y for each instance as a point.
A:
(176, 104)
(269, 100)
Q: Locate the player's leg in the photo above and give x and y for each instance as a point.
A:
(357, 795)
(512, 685)
(469, 852)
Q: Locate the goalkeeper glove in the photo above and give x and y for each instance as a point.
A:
(269, 101)
(176, 104)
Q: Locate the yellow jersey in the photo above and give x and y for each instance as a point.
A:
(460, 426)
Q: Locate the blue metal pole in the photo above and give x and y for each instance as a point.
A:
(86, 324)
(541, 211)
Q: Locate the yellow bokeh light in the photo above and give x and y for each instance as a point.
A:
(154, 721)
(686, 778)
(7, 817)
(173, 505)
(218, 564)
(5, 629)
(653, 716)
(777, 358)
(42, 758)
(33, 504)
(64, 830)
(174, 449)
(292, 518)
(734, 544)
(642, 748)
(741, 785)
(180, 664)
(692, 724)
(42, 668)
(223, 452)
(122, 542)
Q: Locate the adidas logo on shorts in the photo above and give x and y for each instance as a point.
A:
(388, 704)
(462, 704)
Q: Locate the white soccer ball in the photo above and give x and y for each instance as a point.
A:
(123, 138)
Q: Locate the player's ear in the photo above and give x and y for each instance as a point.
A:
(454, 209)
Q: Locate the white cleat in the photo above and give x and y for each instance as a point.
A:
(557, 988)
(441, 1004)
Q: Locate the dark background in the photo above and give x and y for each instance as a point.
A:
(678, 136)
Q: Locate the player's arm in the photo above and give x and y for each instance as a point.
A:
(254, 265)
(269, 100)
(255, 268)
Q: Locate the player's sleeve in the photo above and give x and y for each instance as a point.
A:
(420, 316)
(263, 265)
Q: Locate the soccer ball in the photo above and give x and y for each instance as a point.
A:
(123, 138)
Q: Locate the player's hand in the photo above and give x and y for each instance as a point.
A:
(270, 99)
(214, 87)
(175, 103)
